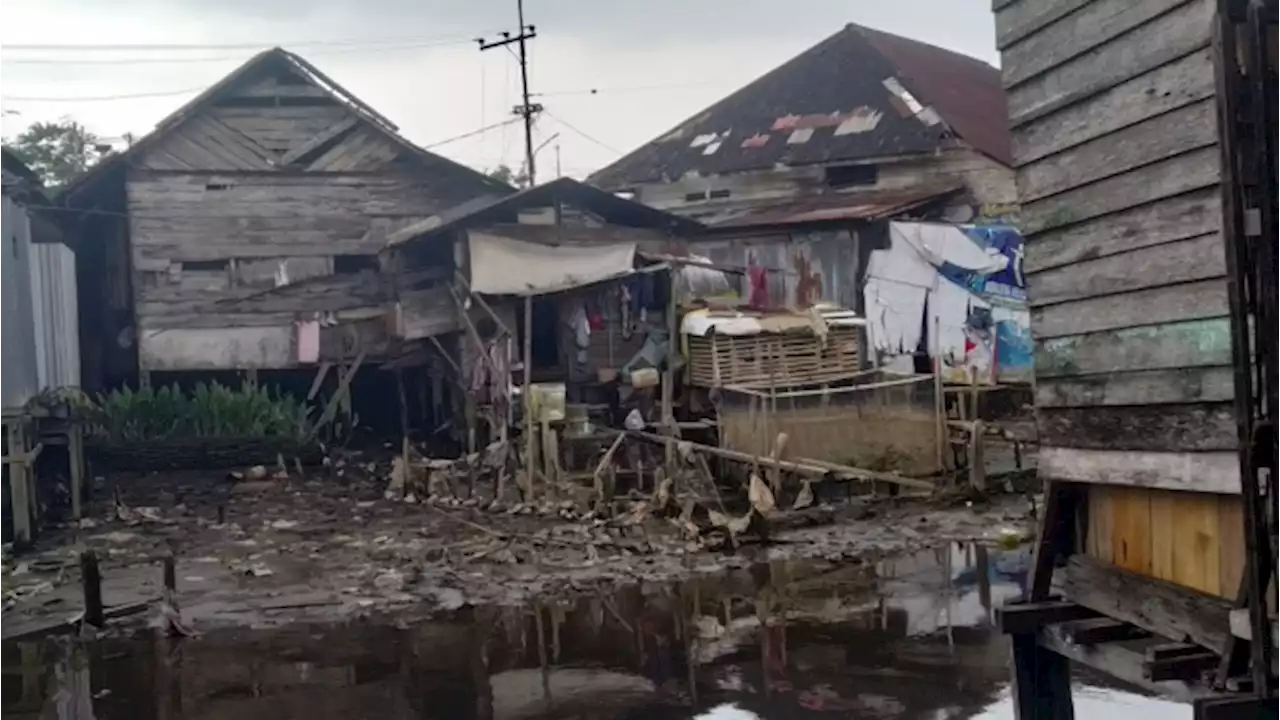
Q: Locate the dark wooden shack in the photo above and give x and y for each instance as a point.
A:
(272, 176)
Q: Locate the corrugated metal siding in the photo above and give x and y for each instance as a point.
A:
(20, 375)
(56, 324)
(816, 266)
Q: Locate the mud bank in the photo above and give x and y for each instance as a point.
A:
(260, 554)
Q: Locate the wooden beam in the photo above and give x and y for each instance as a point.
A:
(1249, 707)
(331, 408)
(483, 304)
(1189, 667)
(1052, 536)
(1041, 682)
(318, 141)
(1100, 630)
(1121, 660)
(1028, 617)
(527, 358)
(1164, 608)
(1211, 472)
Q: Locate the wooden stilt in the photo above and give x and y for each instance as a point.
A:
(91, 578)
(1041, 681)
(19, 486)
(669, 374)
(75, 454)
(528, 398)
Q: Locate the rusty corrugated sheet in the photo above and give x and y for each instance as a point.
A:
(858, 94)
(874, 205)
(811, 266)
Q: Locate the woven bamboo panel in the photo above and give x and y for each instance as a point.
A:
(793, 358)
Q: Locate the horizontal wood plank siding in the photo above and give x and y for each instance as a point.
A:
(1168, 37)
(1183, 261)
(1115, 140)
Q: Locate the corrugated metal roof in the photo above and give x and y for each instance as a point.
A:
(870, 205)
(858, 94)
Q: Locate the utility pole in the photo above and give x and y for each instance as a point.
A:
(526, 110)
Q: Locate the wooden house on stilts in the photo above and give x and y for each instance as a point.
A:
(1144, 138)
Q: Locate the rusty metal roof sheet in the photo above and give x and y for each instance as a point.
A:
(870, 205)
(859, 94)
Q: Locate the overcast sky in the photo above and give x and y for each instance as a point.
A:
(653, 62)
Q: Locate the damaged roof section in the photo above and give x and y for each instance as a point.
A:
(859, 94)
(489, 210)
(836, 207)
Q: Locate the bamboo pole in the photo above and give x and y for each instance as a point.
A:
(528, 397)
(668, 376)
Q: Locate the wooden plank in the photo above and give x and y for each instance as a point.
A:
(1144, 387)
(1211, 472)
(1093, 24)
(280, 128)
(234, 141)
(1173, 176)
(1186, 216)
(1152, 306)
(1131, 529)
(1181, 82)
(331, 159)
(1166, 609)
(1122, 660)
(1163, 136)
(1231, 552)
(1098, 543)
(316, 142)
(1023, 18)
(1164, 530)
(1167, 38)
(1100, 630)
(1191, 344)
(1196, 549)
(1177, 262)
(185, 348)
(1247, 707)
(1028, 617)
(1196, 427)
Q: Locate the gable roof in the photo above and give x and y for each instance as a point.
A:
(490, 210)
(265, 60)
(858, 94)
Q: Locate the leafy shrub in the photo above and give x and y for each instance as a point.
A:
(212, 410)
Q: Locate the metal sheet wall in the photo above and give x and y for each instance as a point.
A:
(56, 323)
(18, 373)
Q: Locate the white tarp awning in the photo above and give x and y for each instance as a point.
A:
(502, 266)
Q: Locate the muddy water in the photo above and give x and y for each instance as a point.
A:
(904, 638)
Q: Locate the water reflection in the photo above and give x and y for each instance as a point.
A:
(910, 637)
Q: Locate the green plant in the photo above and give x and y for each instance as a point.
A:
(211, 410)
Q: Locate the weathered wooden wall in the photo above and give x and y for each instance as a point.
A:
(271, 182)
(1115, 137)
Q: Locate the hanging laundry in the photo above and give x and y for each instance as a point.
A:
(758, 277)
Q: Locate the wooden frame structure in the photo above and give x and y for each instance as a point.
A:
(1144, 136)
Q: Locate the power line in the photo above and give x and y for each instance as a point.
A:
(633, 88)
(473, 133)
(146, 47)
(229, 58)
(602, 144)
(102, 98)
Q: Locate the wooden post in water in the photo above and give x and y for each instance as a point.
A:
(20, 486)
(91, 577)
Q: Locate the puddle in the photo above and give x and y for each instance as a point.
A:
(905, 638)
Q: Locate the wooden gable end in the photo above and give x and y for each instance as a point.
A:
(273, 119)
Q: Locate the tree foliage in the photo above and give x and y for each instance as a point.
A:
(58, 151)
(504, 173)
